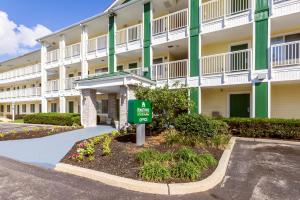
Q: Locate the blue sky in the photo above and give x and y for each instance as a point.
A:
(52, 15)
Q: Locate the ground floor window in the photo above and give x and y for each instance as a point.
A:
(102, 107)
(2, 108)
(71, 106)
(8, 108)
(24, 108)
(40, 108)
(53, 107)
(32, 108)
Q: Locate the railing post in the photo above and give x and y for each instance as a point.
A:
(225, 12)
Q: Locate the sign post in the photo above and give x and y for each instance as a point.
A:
(140, 113)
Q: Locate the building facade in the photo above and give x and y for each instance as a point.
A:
(240, 58)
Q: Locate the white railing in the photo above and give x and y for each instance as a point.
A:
(136, 71)
(129, 34)
(286, 54)
(72, 51)
(33, 69)
(171, 22)
(227, 62)
(96, 44)
(53, 56)
(97, 74)
(170, 70)
(215, 9)
(52, 86)
(280, 1)
(69, 82)
(21, 93)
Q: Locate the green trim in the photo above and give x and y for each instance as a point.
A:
(194, 97)
(261, 34)
(126, 1)
(261, 100)
(194, 38)
(111, 33)
(147, 39)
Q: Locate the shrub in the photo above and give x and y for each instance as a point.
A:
(172, 137)
(150, 155)
(2, 135)
(154, 171)
(219, 141)
(20, 116)
(260, 128)
(186, 171)
(199, 125)
(60, 119)
(106, 145)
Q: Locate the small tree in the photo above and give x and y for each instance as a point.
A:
(167, 103)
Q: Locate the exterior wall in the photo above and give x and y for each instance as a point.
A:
(217, 99)
(28, 104)
(285, 101)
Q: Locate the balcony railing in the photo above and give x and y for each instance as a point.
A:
(33, 69)
(136, 71)
(72, 51)
(236, 61)
(52, 86)
(170, 70)
(97, 44)
(215, 9)
(69, 82)
(21, 93)
(53, 56)
(129, 34)
(171, 22)
(286, 54)
(280, 1)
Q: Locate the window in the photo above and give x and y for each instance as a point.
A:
(8, 108)
(2, 108)
(79, 74)
(158, 61)
(132, 66)
(102, 107)
(101, 70)
(71, 75)
(32, 108)
(23, 108)
(53, 107)
(40, 108)
(120, 68)
(71, 106)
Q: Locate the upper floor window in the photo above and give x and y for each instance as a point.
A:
(132, 66)
(120, 68)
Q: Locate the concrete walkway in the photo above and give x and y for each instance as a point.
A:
(48, 151)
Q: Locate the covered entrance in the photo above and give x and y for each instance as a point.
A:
(104, 98)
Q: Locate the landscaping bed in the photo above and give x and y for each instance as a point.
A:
(35, 132)
(158, 161)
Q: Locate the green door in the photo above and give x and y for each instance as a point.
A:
(71, 107)
(239, 60)
(240, 105)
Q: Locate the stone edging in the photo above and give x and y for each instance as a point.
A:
(155, 188)
(285, 142)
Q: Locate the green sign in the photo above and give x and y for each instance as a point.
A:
(139, 112)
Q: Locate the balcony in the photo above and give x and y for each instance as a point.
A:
(72, 53)
(170, 70)
(129, 39)
(21, 94)
(97, 47)
(136, 71)
(218, 14)
(70, 82)
(52, 86)
(170, 27)
(227, 68)
(285, 61)
(29, 72)
(53, 58)
(285, 7)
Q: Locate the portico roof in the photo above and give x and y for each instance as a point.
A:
(112, 82)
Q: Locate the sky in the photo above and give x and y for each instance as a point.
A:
(23, 21)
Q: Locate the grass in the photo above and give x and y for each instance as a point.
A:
(19, 121)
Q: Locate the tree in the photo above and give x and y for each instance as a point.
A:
(167, 103)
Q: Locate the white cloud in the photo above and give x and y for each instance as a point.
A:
(18, 39)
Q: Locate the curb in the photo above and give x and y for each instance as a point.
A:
(286, 142)
(155, 188)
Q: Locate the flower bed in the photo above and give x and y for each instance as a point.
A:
(36, 132)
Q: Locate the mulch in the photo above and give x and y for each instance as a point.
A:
(38, 133)
(122, 160)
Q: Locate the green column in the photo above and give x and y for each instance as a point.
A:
(194, 97)
(194, 38)
(111, 43)
(147, 39)
(261, 56)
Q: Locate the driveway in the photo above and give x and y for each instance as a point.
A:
(257, 171)
(48, 151)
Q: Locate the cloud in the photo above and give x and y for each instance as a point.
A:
(18, 39)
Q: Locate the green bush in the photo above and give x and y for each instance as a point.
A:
(199, 125)
(154, 171)
(150, 155)
(264, 128)
(20, 116)
(60, 119)
(186, 171)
